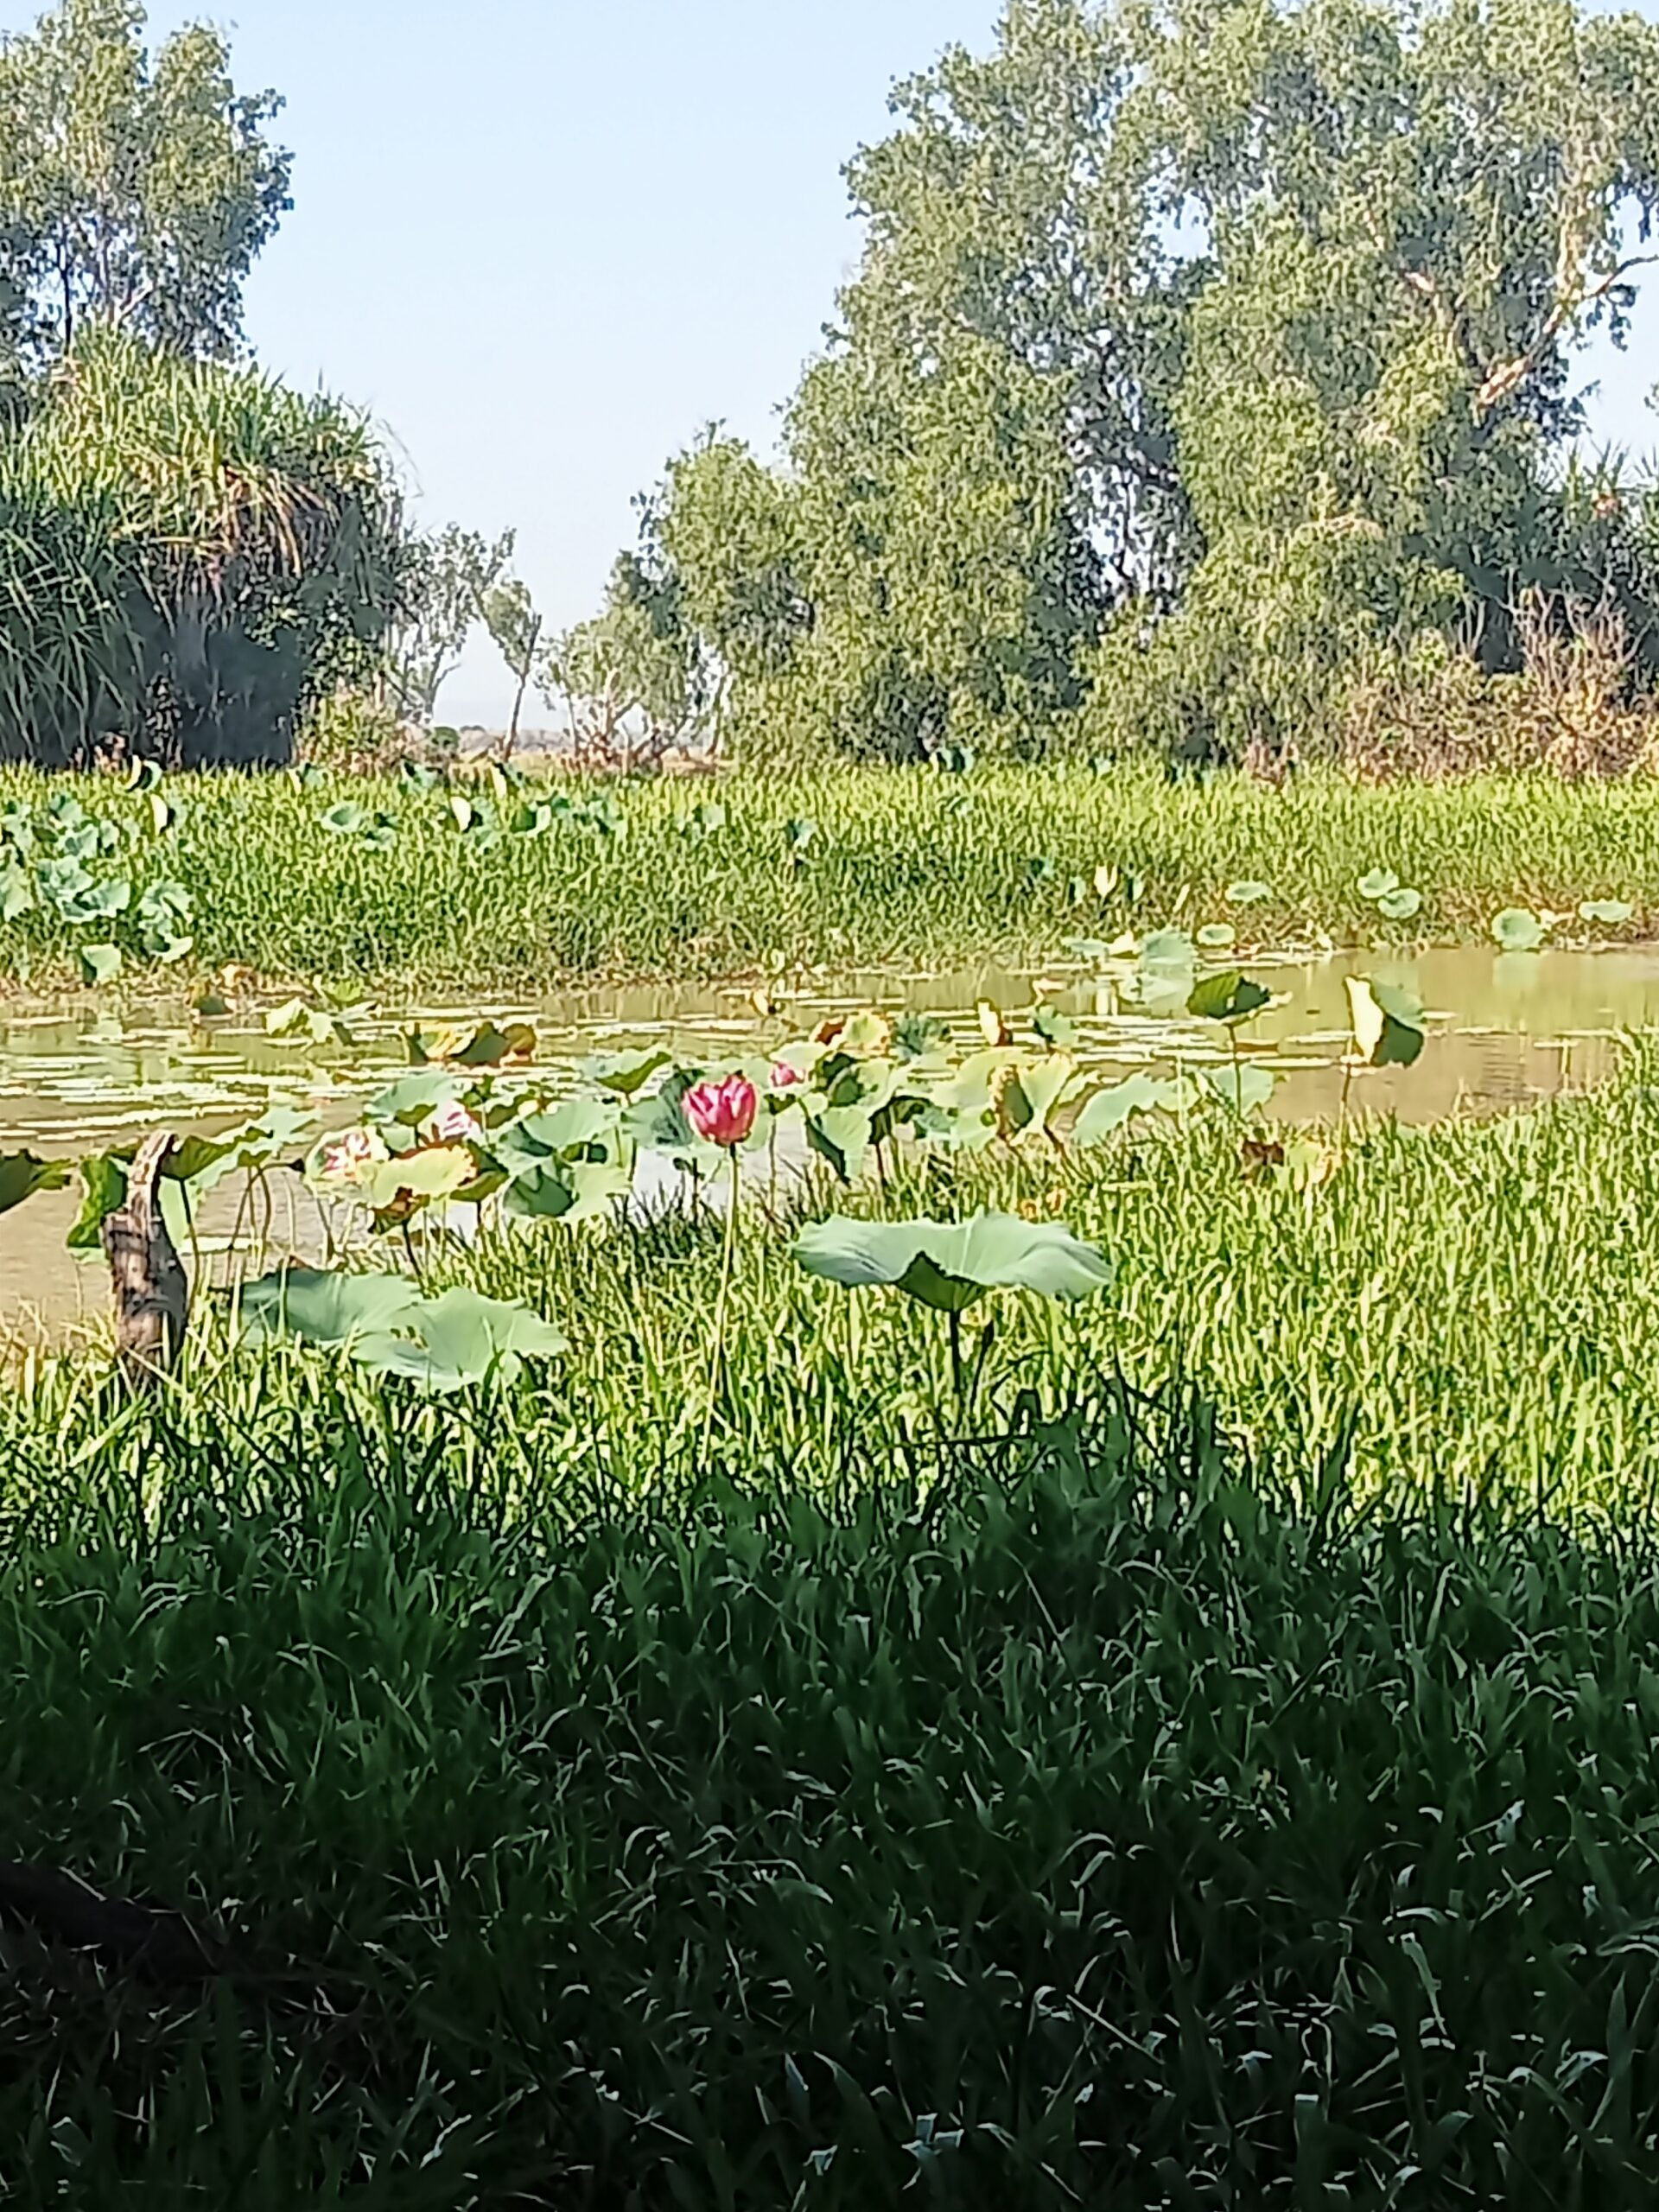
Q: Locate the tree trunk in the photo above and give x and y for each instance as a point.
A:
(152, 1295)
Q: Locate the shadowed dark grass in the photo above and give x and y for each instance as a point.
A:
(1080, 1817)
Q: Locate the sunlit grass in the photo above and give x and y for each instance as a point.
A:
(904, 866)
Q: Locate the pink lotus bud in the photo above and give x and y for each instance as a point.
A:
(451, 1124)
(722, 1113)
(783, 1077)
(345, 1159)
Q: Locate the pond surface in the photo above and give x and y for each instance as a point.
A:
(1504, 1029)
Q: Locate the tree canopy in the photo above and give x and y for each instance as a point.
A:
(133, 192)
(1197, 351)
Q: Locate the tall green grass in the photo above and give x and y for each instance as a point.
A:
(902, 866)
(1070, 1820)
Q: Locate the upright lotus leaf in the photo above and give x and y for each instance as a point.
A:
(1249, 890)
(103, 1191)
(947, 1265)
(413, 1099)
(1518, 929)
(573, 1129)
(347, 819)
(100, 964)
(566, 1190)
(1387, 1023)
(1109, 1108)
(437, 1171)
(1057, 1030)
(1400, 905)
(1242, 1087)
(296, 1023)
(841, 1136)
(993, 1028)
(1228, 997)
(1216, 936)
(1032, 1092)
(323, 1306)
(1612, 913)
(481, 1045)
(204, 1162)
(1379, 883)
(21, 1175)
(916, 1036)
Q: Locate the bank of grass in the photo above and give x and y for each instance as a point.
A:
(1211, 1768)
(907, 866)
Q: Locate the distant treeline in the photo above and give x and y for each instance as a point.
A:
(1207, 384)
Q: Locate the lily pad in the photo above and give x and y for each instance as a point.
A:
(1517, 929)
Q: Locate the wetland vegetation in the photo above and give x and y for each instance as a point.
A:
(999, 1596)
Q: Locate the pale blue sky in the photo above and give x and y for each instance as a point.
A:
(544, 241)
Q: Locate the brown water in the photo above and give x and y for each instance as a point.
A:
(1504, 1030)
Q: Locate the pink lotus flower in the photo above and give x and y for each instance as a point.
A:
(451, 1124)
(346, 1159)
(722, 1113)
(784, 1077)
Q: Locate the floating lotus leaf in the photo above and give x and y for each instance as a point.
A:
(1518, 929)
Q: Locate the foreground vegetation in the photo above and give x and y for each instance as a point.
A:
(1193, 1750)
(372, 883)
(1101, 1825)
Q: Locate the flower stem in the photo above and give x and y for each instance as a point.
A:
(716, 1363)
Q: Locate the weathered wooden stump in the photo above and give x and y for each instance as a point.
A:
(152, 1293)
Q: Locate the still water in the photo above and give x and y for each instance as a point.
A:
(1504, 1029)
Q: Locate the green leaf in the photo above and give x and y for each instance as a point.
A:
(1612, 913)
(628, 1074)
(104, 1191)
(1379, 883)
(1215, 937)
(100, 964)
(1387, 1023)
(1242, 1088)
(1057, 1030)
(436, 1171)
(1518, 929)
(1231, 996)
(460, 1339)
(22, 1174)
(1400, 905)
(1249, 892)
(324, 1306)
(347, 819)
(1110, 1109)
(947, 1265)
